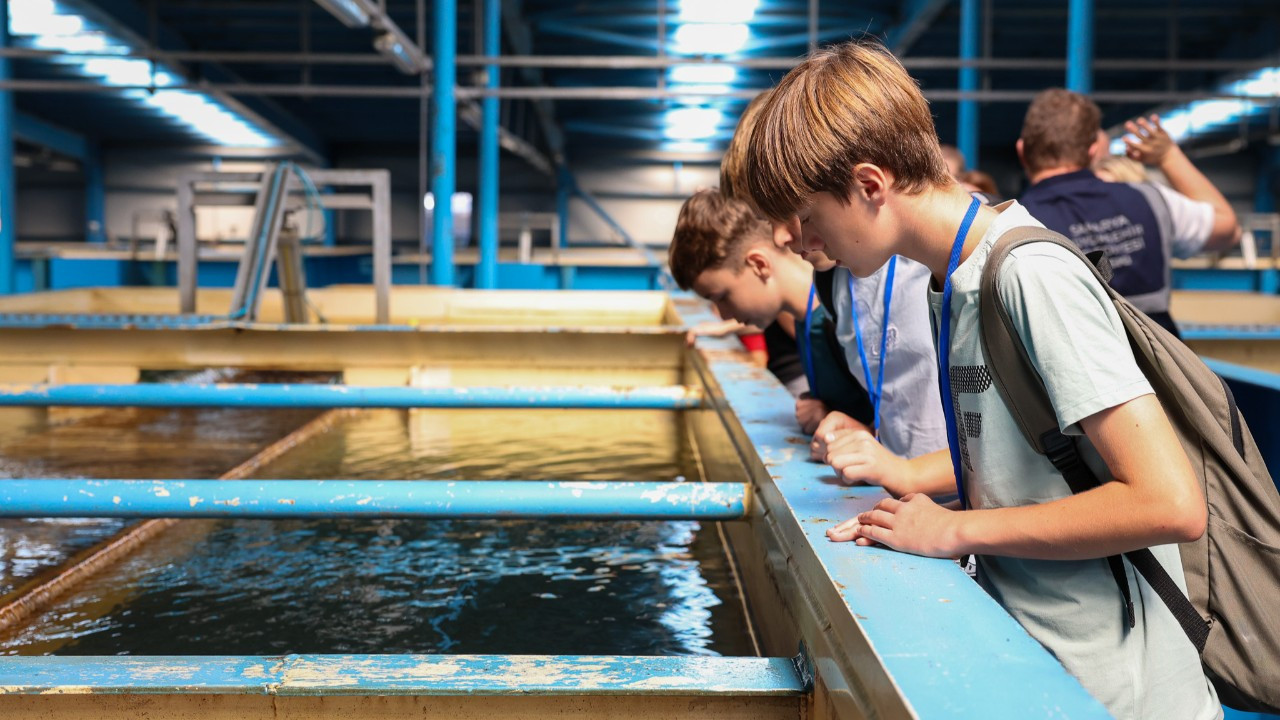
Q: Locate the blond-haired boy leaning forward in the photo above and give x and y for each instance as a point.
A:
(847, 142)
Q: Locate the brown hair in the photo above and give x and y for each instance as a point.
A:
(713, 230)
(1059, 129)
(848, 104)
(733, 167)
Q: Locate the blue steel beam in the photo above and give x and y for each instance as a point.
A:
(487, 271)
(1080, 46)
(967, 110)
(600, 36)
(31, 129)
(443, 141)
(8, 181)
(917, 16)
(311, 675)
(427, 499)
(344, 396)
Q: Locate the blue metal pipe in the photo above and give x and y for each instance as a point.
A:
(56, 497)
(344, 396)
(1080, 46)
(8, 181)
(443, 143)
(967, 110)
(487, 271)
(420, 675)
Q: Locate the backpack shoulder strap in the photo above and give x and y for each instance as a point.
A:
(1024, 393)
(1020, 385)
(1010, 366)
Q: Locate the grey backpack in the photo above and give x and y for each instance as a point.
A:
(1233, 571)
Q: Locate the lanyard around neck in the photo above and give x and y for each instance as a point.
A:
(944, 350)
(806, 342)
(877, 392)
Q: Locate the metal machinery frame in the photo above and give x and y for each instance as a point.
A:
(257, 188)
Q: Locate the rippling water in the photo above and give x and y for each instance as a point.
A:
(414, 586)
(120, 443)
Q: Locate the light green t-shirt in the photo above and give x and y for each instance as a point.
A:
(1075, 339)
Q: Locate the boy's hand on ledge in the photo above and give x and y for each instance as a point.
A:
(859, 459)
(915, 524)
(833, 424)
(712, 328)
(810, 412)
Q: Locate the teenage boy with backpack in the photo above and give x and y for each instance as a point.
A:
(847, 142)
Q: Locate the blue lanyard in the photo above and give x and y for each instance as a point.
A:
(806, 343)
(944, 350)
(877, 392)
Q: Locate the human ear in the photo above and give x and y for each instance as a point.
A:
(871, 183)
(1021, 158)
(758, 263)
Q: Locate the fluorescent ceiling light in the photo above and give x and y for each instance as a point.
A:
(718, 11)
(692, 123)
(57, 25)
(703, 74)
(710, 38)
(351, 13)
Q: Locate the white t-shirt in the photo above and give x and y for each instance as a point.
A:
(911, 422)
(1192, 222)
(1074, 338)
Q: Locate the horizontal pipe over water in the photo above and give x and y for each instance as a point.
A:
(403, 675)
(494, 499)
(675, 397)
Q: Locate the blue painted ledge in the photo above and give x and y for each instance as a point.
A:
(924, 632)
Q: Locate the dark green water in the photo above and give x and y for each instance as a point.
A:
(388, 586)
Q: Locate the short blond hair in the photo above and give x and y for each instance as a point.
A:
(733, 167)
(849, 104)
(1121, 168)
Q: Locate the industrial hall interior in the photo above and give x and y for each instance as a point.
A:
(638, 359)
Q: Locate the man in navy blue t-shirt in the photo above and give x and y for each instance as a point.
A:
(1139, 225)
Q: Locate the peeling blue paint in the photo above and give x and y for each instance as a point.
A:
(345, 396)
(293, 675)
(54, 497)
(951, 651)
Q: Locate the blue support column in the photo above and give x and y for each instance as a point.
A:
(8, 183)
(487, 271)
(1080, 46)
(564, 191)
(443, 144)
(95, 196)
(1264, 194)
(967, 111)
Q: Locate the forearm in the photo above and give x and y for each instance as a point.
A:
(1107, 520)
(1184, 177)
(932, 474)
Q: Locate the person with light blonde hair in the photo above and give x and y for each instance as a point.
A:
(846, 142)
(1118, 168)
